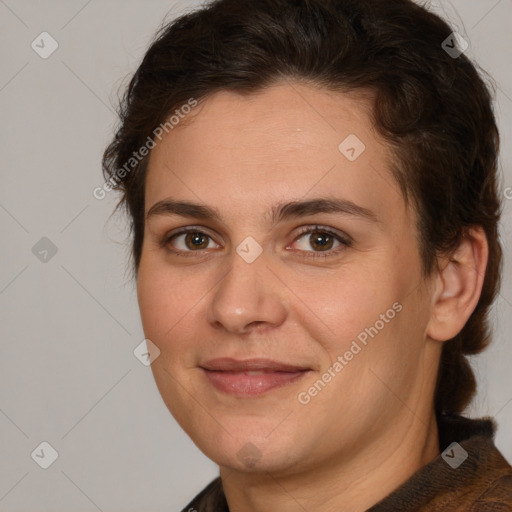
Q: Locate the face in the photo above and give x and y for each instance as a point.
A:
(288, 304)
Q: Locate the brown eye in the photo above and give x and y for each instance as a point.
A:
(321, 242)
(196, 240)
(188, 241)
(318, 240)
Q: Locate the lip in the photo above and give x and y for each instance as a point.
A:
(228, 364)
(236, 377)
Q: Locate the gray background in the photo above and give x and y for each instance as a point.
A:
(70, 324)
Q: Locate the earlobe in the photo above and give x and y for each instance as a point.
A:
(459, 283)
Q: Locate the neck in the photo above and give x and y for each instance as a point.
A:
(342, 483)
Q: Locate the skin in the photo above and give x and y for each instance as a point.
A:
(373, 425)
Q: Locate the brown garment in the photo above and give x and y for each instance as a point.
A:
(480, 483)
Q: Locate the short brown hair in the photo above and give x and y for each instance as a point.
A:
(432, 107)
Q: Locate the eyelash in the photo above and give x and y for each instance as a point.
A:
(345, 241)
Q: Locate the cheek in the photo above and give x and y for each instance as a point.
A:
(373, 318)
(172, 307)
(354, 304)
(166, 304)
(163, 300)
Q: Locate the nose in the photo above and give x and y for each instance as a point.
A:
(248, 297)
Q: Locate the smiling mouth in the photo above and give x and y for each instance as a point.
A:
(250, 377)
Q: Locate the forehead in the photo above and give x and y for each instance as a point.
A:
(289, 141)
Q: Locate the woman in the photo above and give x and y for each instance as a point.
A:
(313, 194)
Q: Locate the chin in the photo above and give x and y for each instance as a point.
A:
(251, 459)
(250, 452)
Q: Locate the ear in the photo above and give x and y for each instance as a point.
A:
(458, 285)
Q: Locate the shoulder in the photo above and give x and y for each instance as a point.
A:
(210, 499)
(498, 494)
(489, 489)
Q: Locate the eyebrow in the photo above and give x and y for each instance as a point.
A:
(278, 213)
